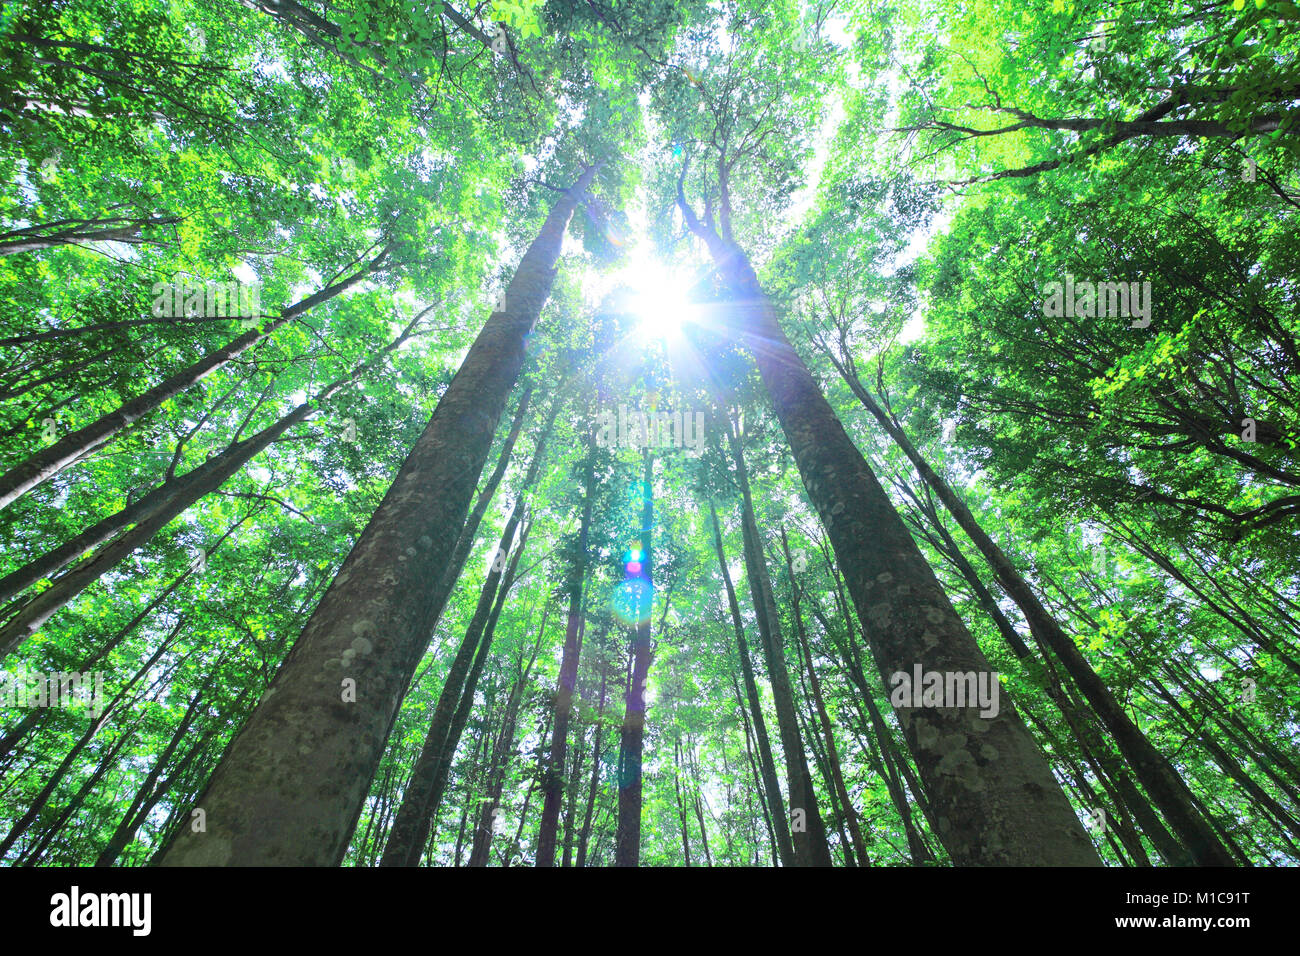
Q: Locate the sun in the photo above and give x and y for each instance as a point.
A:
(659, 299)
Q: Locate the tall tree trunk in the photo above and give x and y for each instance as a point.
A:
(759, 779)
(808, 834)
(777, 819)
(48, 462)
(996, 798)
(699, 808)
(835, 814)
(265, 803)
(627, 847)
(584, 834)
(888, 763)
(124, 832)
(832, 753)
(571, 803)
(498, 764)
(465, 542)
(96, 724)
(38, 714)
(681, 806)
(153, 791)
(553, 780)
(107, 762)
(528, 797)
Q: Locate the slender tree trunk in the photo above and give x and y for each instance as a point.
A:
(627, 847)
(1228, 764)
(528, 798)
(777, 820)
(996, 798)
(835, 813)
(888, 763)
(832, 753)
(411, 829)
(36, 715)
(465, 542)
(96, 724)
(759, 784)
(131, 824)
(363, 845)
(108, 761)
(48, 462)
(808, 833)
(585, 834)
(149, 515)
(571, 801)
(471, 682)
(681, 807)
(498, 765)
(122, 835)
(1157, 774)
(77, 231)
(699, 809)
(553, 781)
(265, 804)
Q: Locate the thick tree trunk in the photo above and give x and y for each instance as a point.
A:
(293, 782)
(996, 800)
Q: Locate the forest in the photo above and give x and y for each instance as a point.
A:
(663, 433)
